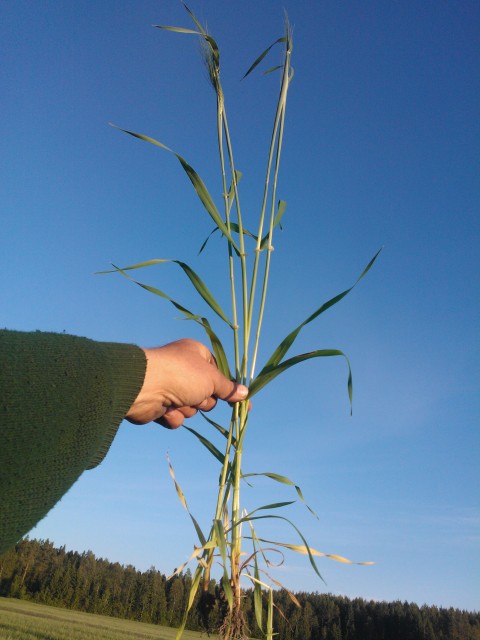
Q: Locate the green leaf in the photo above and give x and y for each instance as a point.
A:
(270, 614)
(195, 279)
(231, 191)
(196, 181)
(217, 347)
(211, 41)
(257, 592)
(202, 289)
(267, 374)
(276, 68)
(284, 480)
(285, 345)
(218, 427)
(201, 32)
(233, 227)
(282, 205)
(205, 197)
(191, 598)
(207, 444)
(275, 505)
(221, 540)
(262, 56)
(193, 589)
(207, 239)
(154, 290)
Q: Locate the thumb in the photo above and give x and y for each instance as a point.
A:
(227, 389)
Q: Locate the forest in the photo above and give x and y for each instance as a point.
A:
(38, 571)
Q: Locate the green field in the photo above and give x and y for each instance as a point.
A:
(22, 620)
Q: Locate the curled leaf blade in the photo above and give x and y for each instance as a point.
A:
(304, 550)
(305, 543)
(267, 374)
(287, 342)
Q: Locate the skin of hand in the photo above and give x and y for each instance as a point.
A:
(181, 378)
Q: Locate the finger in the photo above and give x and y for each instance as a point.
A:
(169, 422)
(227, 390)
(240, 392)
(208, 404)
(175, 417)
(188, 412)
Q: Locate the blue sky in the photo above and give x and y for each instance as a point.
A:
(381, 149)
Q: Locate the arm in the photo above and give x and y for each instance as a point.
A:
(63, 398)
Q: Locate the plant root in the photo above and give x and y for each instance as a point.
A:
(234, 626)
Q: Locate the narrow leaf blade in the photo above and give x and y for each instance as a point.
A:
(270, 373)
(177, 29)
(203, 290)
(207, 444)
(262, 56)
(194, 178)
(287, 342)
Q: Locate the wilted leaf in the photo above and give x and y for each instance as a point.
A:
(181, 497)
(304, 550)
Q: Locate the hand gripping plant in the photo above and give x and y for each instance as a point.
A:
(249, 258)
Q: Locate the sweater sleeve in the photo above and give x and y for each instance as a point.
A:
(62, 399)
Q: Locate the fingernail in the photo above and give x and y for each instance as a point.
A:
(242, 391)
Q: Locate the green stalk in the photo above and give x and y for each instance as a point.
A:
(242, 418)
(243, 256)
(270, 232)
(273, 144)
(238, 422)
(269, 635)
(220, 119)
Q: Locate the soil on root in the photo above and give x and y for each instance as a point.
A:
(234, 627)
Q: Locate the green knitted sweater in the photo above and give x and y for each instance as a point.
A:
(62, 399)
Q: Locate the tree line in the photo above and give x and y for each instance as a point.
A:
(36, 570)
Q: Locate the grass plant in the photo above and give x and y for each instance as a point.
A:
(248, 262)
(22, 620)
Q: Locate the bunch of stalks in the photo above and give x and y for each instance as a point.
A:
(249, 256)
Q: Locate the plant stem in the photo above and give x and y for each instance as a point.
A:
(276, 141)
(231, 264)
(243, 256)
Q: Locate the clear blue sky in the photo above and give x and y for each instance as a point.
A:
(381, 149)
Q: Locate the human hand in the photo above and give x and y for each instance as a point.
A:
(181, 378)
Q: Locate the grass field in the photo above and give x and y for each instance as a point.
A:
(21, 620)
